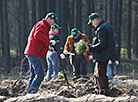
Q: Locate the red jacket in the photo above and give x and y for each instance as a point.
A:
(38, 40)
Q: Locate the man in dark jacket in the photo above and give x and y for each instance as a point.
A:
(36, 49)
(103, 48)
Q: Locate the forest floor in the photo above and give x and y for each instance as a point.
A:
(120, 85)
(125, 83)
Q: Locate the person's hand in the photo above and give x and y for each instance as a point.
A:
(109, 62)
(62, 56)
(90, 57)
(53, 42)
(65, 52)
(116, 62)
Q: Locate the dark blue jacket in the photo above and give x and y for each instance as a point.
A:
(56, 47)
(103, 43)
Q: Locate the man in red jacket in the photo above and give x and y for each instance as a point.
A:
(36, 49)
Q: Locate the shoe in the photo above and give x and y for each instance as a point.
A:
(105, 92)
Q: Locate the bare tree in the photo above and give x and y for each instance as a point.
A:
(40, 9)
(64, 21)
(77, 14)
(22, 28)
(58, 9)
(33, 12)
(106, 10)
(51, 5)
(88, 29)
(114, 14)
(129, 29)
(5, 38)
(119, 26)
(109, 11)
(0, 31)
(135, 47)
(71, 13)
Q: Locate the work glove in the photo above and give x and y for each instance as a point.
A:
(109, 62)
(62, 56)
(90, 57)
(116, 62)
(53, 42)
(65, 52)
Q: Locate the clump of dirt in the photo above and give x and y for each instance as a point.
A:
(13, 88)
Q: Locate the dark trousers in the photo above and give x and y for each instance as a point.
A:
(100, 78)
(78, 64)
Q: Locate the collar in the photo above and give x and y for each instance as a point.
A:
(45, 22)
(100, 23)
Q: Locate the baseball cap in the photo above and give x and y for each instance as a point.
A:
(92, 17)
(52, 16)
(74, 32)
(55, 26)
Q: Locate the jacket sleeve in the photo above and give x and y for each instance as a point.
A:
(102, 40)
(57, 45)
(66, 47)
(41, 35)
(89, 44)
(87, 40)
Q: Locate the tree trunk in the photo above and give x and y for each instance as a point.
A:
(40, 9)
(105, 10)
(88, 28)
(101, 8)
(22, 28)
(135, 32)
(92, 7)
(71, 17)
(129, 29)
(33, 12)
(51, 5)
(58, 10)
(78, 15)
(45, 7)
(109, 11)
(64, 21)
(5, 38)
(114, 14)
(119, 26)
(0, 32)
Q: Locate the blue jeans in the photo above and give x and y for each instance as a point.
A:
(36, 73)
(110, 70)
(53, 64)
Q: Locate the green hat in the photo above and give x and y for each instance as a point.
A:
(92, 17)
(55, 26)
(52, 16)
(74, 32)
